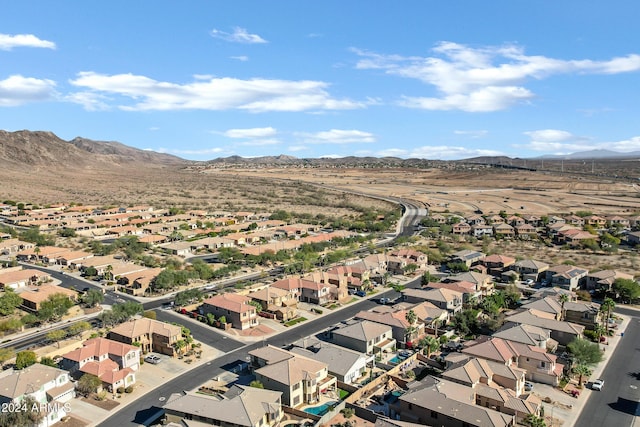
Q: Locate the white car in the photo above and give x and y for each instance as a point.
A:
(153, 359)
(597, 385)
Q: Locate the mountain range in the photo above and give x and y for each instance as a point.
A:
(45, 149)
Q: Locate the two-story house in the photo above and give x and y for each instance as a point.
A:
(47, 386)
(300, 379)
(440, 297)
(566, 276)
(276, 301)
(236, 309)
(148, 334)
(113, 362)
(240, 406)
(562, 332)
(365, 337)
(529, 269)
(539, 365)
(401, 330)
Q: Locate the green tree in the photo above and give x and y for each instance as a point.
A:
(582, 370)
(607, 307)
(25, 359)
(256, 384)
(9, 301)
(57, 336)
(585, 351)
(533, 420)
(78, 328)
(564, 298)
(626, 289)
(6, 353)
(54, 307)
(23, 418)
(429, 344)
(150, 314)
(90, 272)
(88, 383)
(48, 361)
(93, 298)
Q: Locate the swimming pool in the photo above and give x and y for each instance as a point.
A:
(320, 410)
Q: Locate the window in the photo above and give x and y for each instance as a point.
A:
(543, 365)
(296, 401)
(296, 386)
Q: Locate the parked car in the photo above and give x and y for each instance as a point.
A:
(597, 385)
(361, 293)
(153, 359)
(528, 386)
(384, 300)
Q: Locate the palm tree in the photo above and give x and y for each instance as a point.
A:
(582, 370)
(429, 344)
(607, 307)
(563, 299)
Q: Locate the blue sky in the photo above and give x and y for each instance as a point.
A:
(428, 79)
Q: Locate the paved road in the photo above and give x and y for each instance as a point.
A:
(617, 404)
(146, 406)
(203, 333)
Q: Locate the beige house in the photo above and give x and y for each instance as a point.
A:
(365, 337)
(277, 302)
(19, 278)
(240, 406)
(300, 379)
(539, 365)
(149, 334)
(236, 309)
(442, 403)
(473, 371)
(443, 298)
(33, 297)
(138, 282)
(562, 332)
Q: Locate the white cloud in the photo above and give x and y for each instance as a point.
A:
(91, 101)
(141, 93)
(250, 133)
(242, 58)
(472, 133)
(18, 90)
(338, 136)
(554, 141)
(8, 42)
(482, 79)
(239, 35)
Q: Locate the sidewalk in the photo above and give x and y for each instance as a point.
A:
(565, 409)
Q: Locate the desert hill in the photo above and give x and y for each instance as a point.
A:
(42, 149)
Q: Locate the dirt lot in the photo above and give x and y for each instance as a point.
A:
(488, 190)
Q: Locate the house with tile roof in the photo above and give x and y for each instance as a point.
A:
(33, 297)
(113, 362)
(240, 406)
(529, 335)
(397, 320)
(472, 371)
(530, 269)
(276, 301)
(604, 279)
(148, 334)
(45, 384)
(20, 278)
(562, 332)
(435, 401)
(568, 277)
(234, 307)
(300, 379)
(440, 297)
(539, 365)
(345, 364)
(364, 337)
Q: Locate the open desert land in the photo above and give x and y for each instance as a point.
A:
(487, 190)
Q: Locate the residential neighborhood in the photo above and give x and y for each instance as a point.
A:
(465, 337)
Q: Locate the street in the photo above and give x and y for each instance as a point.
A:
(618, 402)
